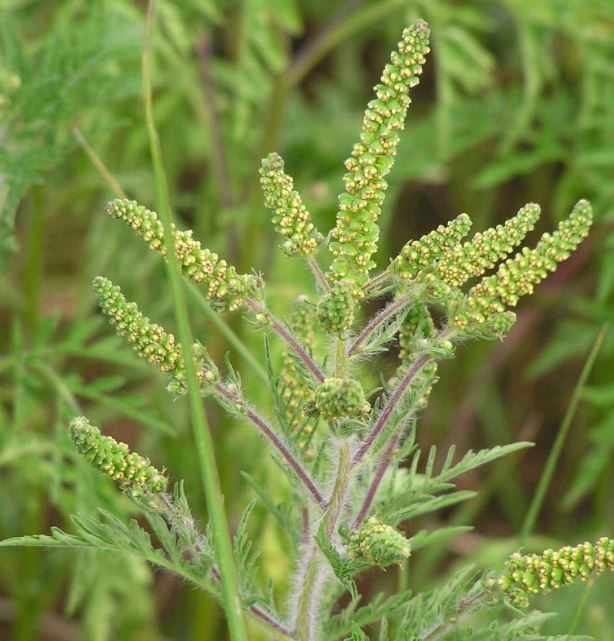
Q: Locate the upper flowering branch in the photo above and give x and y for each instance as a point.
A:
(290, 216)
(517, 276)
(225, 289)
(355, 237)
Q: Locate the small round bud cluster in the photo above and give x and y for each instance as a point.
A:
(379, 544)
(418, 255)
(529, 574)
(149, 340)
(225, 289)
(340, 398)
(355, 236)
(487, 248)
(290, 216)
(135, 475)
(336, 310)
(517, 276)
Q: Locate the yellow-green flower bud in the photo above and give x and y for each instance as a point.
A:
(355, 236)
(149, 340)
(336, 310)
(340, 398)
(418, 255)
(528, 574)
(225, 289)
(290, 216)
(487, 248)
(517, 276)
(379, 544)
(134, 474)
(417, 326)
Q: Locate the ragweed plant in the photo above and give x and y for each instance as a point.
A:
(349, 452)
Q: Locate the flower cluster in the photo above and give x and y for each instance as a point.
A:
(487, 248)
(340, 398)
(135, 475)
(379, 544)
(420, 254)
(150, 341)
(517, 276)
(290, 216)
(532, 573)
(355, 236)
(225, 289)
(336, 310)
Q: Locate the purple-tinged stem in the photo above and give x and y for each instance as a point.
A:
(261, 614)
(381, 317)
(377, 479)
(318, 273)
(389, 407)
(274, 439)
(376, 281)
(289, 337)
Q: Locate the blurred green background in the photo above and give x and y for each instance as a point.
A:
(516, 105)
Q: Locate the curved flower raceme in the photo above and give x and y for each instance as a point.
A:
(355, 236)
(486, 248)
(290, 216)
(420, 254)
(518, 276)
(528, 574)
(225, 289)
(134, 474)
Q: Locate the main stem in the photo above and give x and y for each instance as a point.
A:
(202, 436)
(306, 624)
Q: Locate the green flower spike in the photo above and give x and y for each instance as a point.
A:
(226, 290)
(525, 575)
(517, 276)
(355, 236)
(486, 249)
(150, 341)
(336, 310)
(420, 254)
(135, 475)
(416, 328)
(379, 544)
(340, 398)
(290, 216)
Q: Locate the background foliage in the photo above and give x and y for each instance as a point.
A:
(515, 106)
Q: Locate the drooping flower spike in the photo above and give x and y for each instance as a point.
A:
(224, 288)
(134, 474)
(529, 574)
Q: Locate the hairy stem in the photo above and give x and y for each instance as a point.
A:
(274, 439)
(288, 337)
(317, 272)
(376, 321)
(202, 436)
(389, 407)
(377, 479)
(306, 624)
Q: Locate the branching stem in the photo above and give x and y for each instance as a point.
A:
(317, 272)
(274, 439)
(377, 320)
(288, 337)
